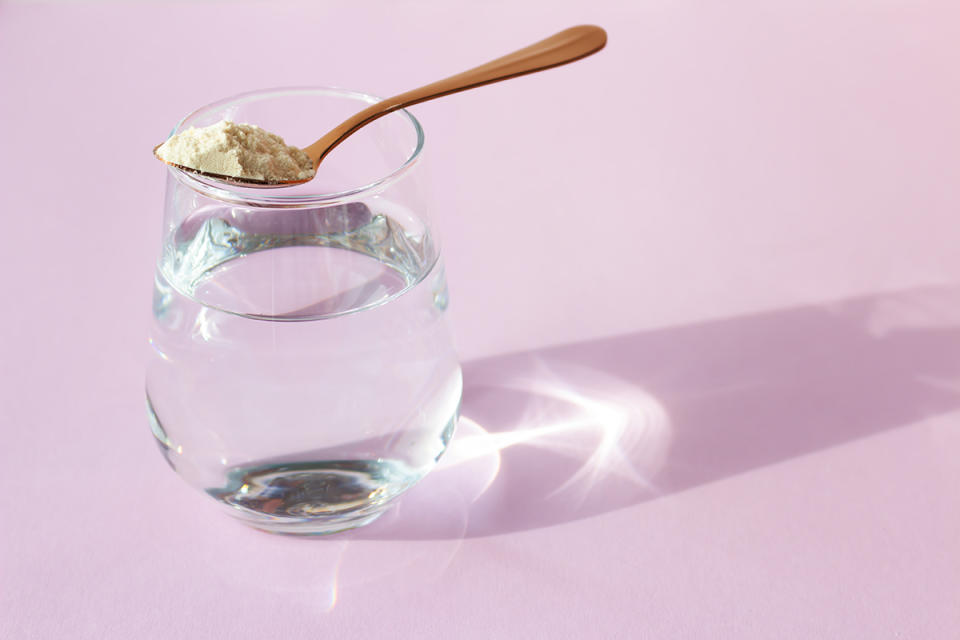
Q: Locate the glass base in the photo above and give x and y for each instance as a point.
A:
(307, 526)
(315, 497)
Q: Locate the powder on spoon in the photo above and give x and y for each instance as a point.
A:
(242, 151)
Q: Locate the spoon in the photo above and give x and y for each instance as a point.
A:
(563, 47)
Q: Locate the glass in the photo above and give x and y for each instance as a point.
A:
(302, 373)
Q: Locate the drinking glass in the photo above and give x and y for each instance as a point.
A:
(301, 370)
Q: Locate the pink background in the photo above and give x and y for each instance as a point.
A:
(705, 286)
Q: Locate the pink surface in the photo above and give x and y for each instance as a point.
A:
(708, 303)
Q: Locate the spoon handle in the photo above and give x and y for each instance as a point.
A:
(567, 46)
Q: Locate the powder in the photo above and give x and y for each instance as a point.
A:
(238, 150)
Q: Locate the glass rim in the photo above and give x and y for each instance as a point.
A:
(269, 197)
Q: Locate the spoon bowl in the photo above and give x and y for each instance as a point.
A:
(234, 180)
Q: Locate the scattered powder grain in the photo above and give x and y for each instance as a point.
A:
(238, 150)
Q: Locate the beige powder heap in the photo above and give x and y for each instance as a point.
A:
(242, 151)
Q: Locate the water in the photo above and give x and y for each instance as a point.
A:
(301, 370)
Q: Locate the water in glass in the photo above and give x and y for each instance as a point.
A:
(301, 371)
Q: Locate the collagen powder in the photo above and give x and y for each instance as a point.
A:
(242, 151)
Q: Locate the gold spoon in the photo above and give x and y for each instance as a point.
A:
(567, 46)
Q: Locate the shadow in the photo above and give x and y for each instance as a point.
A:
(569, 432)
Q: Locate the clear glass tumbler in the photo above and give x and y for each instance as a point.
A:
(302, 372)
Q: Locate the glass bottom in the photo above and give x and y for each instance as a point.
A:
(313, 498)
(307, 526)
(303, 496)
